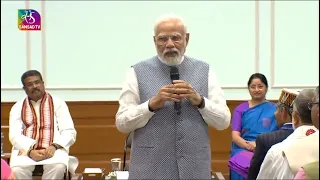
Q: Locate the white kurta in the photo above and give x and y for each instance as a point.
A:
(275, 165)
(64, 135)
(133, 114)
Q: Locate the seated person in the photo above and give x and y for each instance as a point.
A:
(310, 170)
(265, 141)
(302, 125)
(6, 173)
(249, 120)
(41, 131)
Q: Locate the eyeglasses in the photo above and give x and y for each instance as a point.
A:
(310, 105)
(162, 40)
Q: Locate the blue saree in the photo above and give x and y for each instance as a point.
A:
(255, 120)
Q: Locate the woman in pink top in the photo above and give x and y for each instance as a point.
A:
(6, 173)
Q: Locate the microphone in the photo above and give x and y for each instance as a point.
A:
(174, 75)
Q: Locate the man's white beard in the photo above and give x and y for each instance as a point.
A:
(171, 61)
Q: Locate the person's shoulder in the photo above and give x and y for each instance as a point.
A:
(310, 139)
(305, 143)
(242, 106)
(196, 60)
(146, 61)
(276, 148)
(57, 100)
(270, 103)
(272, 134)
(18, 104)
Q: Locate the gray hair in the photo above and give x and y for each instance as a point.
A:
(168, 17)
(300, 105)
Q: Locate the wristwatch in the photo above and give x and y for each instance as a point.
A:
(55, 146)
(150, 109)
(202, 103)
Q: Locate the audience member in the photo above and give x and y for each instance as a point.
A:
(311, 170)
(40, 128)
(250, 119)
(264, 142)
(275, 165)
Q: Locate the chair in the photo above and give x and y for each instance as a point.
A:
(127, 144)
(38, 172)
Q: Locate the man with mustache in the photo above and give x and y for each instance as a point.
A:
(166, 144)
(41, 132)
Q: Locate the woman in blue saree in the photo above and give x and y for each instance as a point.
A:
(250, 119)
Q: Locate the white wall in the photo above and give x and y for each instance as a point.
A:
(85, 47)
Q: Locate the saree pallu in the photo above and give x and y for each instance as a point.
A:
(255, 120)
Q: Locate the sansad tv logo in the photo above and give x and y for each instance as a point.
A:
(29, 20)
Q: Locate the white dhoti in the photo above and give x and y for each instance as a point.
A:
(60, 157)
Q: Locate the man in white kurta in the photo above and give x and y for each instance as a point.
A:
(41, 132)
(275, 164)
(308, 145)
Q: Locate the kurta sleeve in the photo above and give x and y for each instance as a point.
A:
(236, 119)
(215, 113)
(67, 133)
(17, 139)
(132, 114)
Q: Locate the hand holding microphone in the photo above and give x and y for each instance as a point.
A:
(174, 75)
(175, 92)
(185, 90)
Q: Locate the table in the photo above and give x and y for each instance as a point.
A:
(215, 176)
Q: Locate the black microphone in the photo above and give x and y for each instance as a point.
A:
(174, 75)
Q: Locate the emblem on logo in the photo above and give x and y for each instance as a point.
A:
(29, 20)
